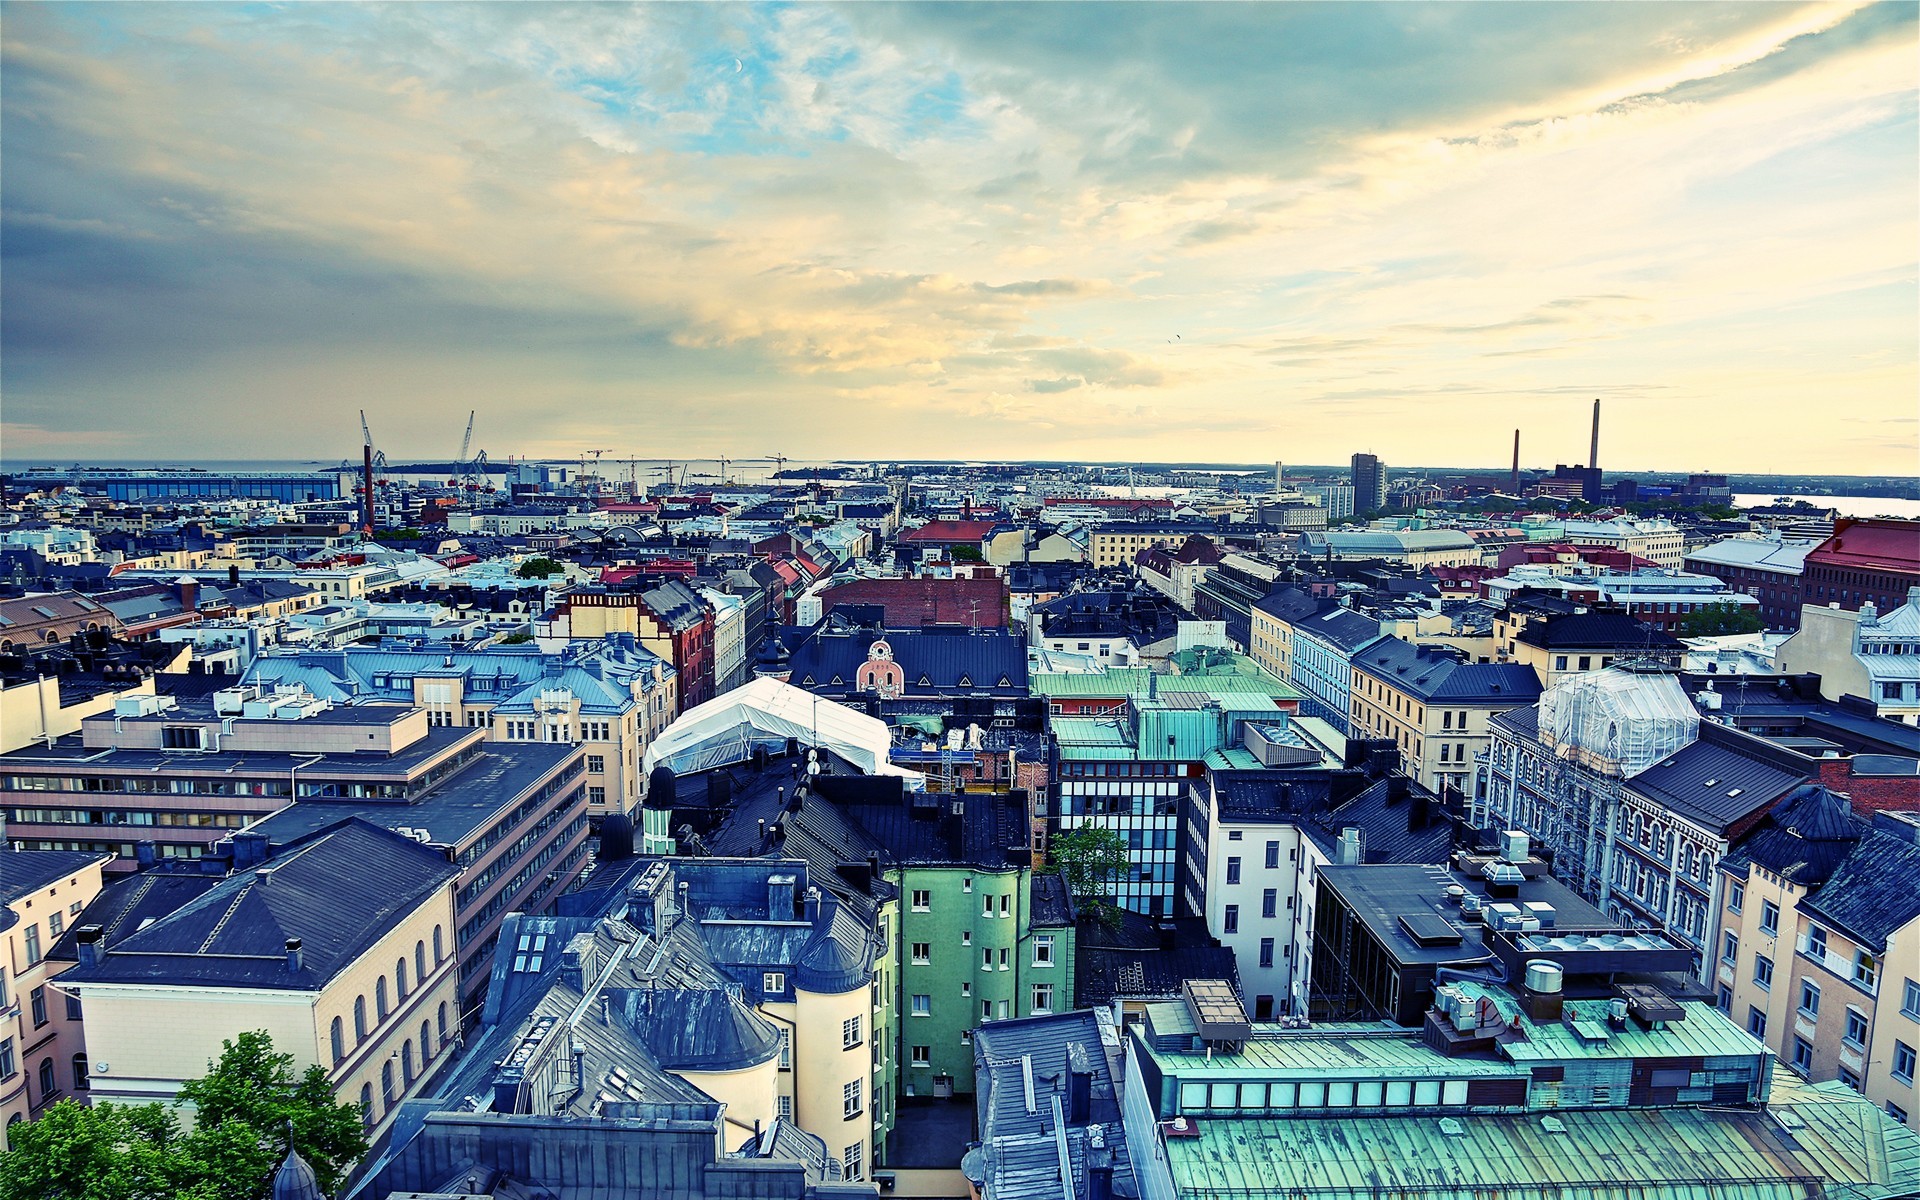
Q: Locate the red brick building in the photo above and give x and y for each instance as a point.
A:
(979, 601)
(1872, 559)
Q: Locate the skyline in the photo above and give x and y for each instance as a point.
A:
(1211, 233)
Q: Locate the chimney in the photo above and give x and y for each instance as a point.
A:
(295, 957)
(145, 854)
(1513, 484)
(189, 592)
(812, 910)
(1593, 452)
(780, 897)
(233, 576)
(90, 941)
(1079, 1085)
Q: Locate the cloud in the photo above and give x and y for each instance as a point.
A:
(893, 227)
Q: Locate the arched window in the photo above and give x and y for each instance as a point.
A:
(406, 1063)
(443, 1022)
(386, 1083)
(359, 1019)
(339, 1039)
(400, 979)
(437, 952)
(420, 961)
(79, 1072)
(380, 998)
(426, 1043)
(366, 1105)
(48, 1084)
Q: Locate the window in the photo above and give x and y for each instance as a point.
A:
(1856, 1032)
(596, 795)
(1730, 949)
(1809, 998)
(33, 944)
(1903, 1058)
(1864, 969)
(400, 979)
(359, 1019)
(48, 1084)
(923, 1006)
(966, 883)
(438, 953)
(1909, 999)
(1006, 905)
(850, 1162)
(380, 998)
(37, 1002)
(1817, 943)
(337, 1037)
(1042, 997)
(966, 937)
(80, 1073)
(986, 958)
(1273, 855)
(1763, 971)
(73, 1008)
(596, 764)
(1043, 950)
(387, 1094)
(773, 982)
(1559, 662)
(55, 923)
(1769, 917)
(1723, 998)
(921, 1056)
(1266, 952)
(850, 1033)
(1004, 954)
(850, 1100)
(922, 900)
(1757, 1023)
(783, 1107)
(442, 1023)
(1233, 870)
(1269, 903)
(1802, 1055)
(426, 1043)
(1736, 896)
(420, 962)
(922, 953)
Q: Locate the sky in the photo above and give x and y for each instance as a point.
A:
(1143, 232)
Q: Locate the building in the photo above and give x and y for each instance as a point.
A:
(43, 1051)
(1414, 547)
(1049, 1110)
(1369, 484)
(1653, 538)
(1270, 625)
(1336, 498)
(1866, 560)
(1818, 946)
(155, 483)
(1768, 569)
(611, 695)
(48, 617)
(1860, 652)
(1434, 707)
(848, 658)
(1323, 647)
(1555, 644)
(977, 601)
(667, 616)
(1116, 544)
(1174, 570)
(340, 947)
(1501, 1092)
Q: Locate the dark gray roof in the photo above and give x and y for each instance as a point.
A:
(338, 893)
(1714, 785)
(1873, 892)
(1288, 603)
(1438, 677)
(1019, 1153)
(129, 903)
(1803, 840)
(1052, 903)
(1598, 631)
(23, 872)
(1341, 628)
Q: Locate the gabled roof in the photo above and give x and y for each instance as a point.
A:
(23, 872)
(1713, 784)
(1341, 628)
(1437, 677)
(1617, 631)
(1872, 544)
(1872, 894)
(338, 893)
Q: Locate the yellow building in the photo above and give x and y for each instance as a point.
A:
(340, 947)
(42, 1051)
(1818, 947)
(1433, 706)
(1115, 545)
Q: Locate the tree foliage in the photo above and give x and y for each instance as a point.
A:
(539, 568)
(246, 1105)
(1090, 859)
(1716, 620)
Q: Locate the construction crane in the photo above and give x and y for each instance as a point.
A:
(779, 462)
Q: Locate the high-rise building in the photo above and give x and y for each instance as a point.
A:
(1369, 483)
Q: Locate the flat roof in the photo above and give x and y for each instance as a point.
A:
(68, 752)
(1379, 894)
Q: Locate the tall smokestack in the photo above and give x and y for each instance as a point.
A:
(1593, 453)
(1514, 483)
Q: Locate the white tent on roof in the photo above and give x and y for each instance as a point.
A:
(766, 712)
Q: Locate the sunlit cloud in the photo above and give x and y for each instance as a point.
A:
(1213, 232)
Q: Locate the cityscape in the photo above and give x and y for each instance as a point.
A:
(736, 602)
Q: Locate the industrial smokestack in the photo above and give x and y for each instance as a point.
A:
(1513, 485)
(1593, 453)
(366, 489)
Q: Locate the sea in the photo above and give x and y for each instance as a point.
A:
(1846, 506)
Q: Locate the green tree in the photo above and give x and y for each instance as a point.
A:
(1718, 619)
(256, 1089)
(247, 1104)
(1090, 859)
(539, 568)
